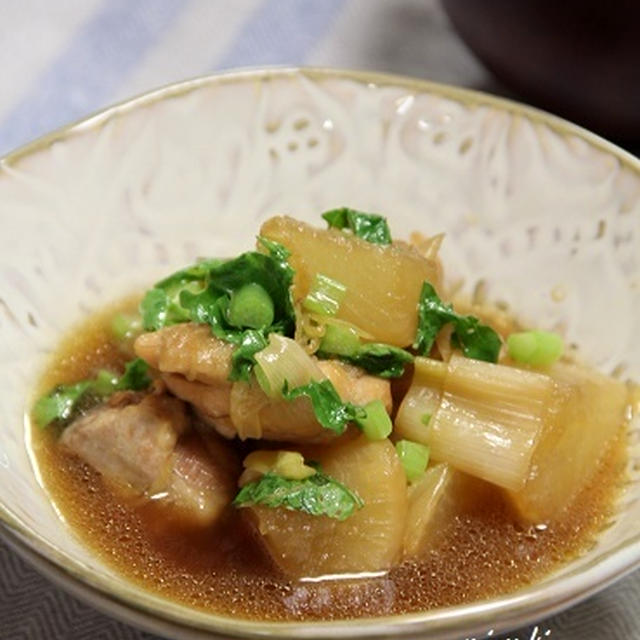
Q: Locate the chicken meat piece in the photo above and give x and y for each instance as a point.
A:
(143, 449)
(188, 349)
(211, 401)
(243, 409)
(129, 444)
(202, 484)
(355, 385)
(195, 367)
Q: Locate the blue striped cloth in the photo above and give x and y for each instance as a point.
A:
(62, 60)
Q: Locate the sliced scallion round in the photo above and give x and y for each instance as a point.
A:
(537, 348)
(250, 306)
(376, 425)
(414, 458)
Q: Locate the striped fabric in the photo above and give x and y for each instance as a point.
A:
(62, 60)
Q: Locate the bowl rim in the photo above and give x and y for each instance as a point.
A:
(137, 606)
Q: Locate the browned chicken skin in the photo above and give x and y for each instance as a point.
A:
(188, 349)
(199, 375)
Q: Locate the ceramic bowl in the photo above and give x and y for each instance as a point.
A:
(546, 214)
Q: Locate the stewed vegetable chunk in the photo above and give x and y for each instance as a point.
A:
(442, 494)
(488, 420)
(371, 539)
(588, 414)
(382, 281)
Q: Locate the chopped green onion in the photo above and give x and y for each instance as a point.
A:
(414, 458)
(284, 360)
(537, 348)
(342, 340)
(325, 296)
(250, 306)
(376, 425)
(125, 326)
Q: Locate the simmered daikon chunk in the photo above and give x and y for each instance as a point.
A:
(442, 494)
(382, 282)
(369, 540)
(588, 413)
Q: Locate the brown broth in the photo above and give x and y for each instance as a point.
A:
(223, 570)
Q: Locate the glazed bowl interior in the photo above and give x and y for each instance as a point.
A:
(545, 214)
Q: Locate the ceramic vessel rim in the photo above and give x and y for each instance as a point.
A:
(515, 609)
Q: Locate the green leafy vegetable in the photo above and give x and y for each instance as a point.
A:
(135, 377)
(104, 383)
(197, 273)
(380, 359)
(377, 358)
(332, 413)
(266, 270)
(159, 310)
(60, 403)
(65, 401)
(242, 360)
(280, 254)
(368, 226)
(476, 340)
(243, 300)
(537, 348)
(317, 495)
(161, 306)
(209, 308)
